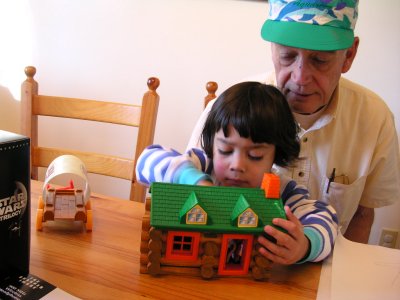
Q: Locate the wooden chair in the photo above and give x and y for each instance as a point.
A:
(143, 117)
(211, 88)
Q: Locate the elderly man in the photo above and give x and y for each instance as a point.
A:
(349, 153)
(349, 147)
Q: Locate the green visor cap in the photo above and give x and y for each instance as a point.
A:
(315, 25)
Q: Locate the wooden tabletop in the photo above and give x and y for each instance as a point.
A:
(104, 263)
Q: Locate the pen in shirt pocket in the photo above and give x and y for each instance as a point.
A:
(342, 179)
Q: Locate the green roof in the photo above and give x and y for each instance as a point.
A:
(220, 203)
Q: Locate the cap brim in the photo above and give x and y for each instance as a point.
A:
(307, 36)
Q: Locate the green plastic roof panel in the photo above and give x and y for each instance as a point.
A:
(170, 202)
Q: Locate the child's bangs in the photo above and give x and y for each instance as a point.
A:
(257, 123)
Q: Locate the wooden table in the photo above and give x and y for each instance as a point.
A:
(104, 264)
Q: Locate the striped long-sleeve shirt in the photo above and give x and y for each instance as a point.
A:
(319, 220)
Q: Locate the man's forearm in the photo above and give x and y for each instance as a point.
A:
(360, 226)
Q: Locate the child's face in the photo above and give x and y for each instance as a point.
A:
(240, 162)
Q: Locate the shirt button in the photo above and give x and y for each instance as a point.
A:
(301, 174)
(305, 139)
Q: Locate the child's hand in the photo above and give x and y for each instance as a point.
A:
(290, 247)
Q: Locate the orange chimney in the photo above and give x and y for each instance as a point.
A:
(271, 186)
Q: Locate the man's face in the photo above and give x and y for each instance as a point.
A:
(308, 78)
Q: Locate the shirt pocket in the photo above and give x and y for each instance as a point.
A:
(344, 198)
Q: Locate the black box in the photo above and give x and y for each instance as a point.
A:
(14, 204)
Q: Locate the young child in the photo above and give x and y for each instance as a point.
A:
(249, 128)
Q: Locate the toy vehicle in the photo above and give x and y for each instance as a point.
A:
(65, 203)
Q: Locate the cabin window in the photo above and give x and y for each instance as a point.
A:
(182, 245)
(196, 216)
(248, 219)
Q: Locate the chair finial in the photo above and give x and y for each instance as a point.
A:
(30, 71)
(211, 87)
(153, 83)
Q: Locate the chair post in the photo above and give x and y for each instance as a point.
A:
(29, 122)
(211, 88)
(146, 133)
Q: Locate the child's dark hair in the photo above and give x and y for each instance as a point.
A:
(259, 112)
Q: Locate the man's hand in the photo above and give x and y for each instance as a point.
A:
(290, 247)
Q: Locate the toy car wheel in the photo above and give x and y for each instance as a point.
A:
(88, 205)
(40, 203)
(89, 220)
(39, 219)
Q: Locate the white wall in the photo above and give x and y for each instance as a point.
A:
(106, 49)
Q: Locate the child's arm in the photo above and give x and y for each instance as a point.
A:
(159, 164)
(308, 220)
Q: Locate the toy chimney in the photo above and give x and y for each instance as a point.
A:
(271, 186)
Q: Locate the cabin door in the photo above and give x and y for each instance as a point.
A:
(235, 254)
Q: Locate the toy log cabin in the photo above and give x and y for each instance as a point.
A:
(208, 231)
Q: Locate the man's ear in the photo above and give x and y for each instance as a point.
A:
(350, 55)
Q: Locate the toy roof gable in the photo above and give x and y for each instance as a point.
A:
(190, 202)
(240, 206)
(220, 203)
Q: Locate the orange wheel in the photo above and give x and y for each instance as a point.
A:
(88, 205)
(40, 203)
(39, 219)
(89, 220)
